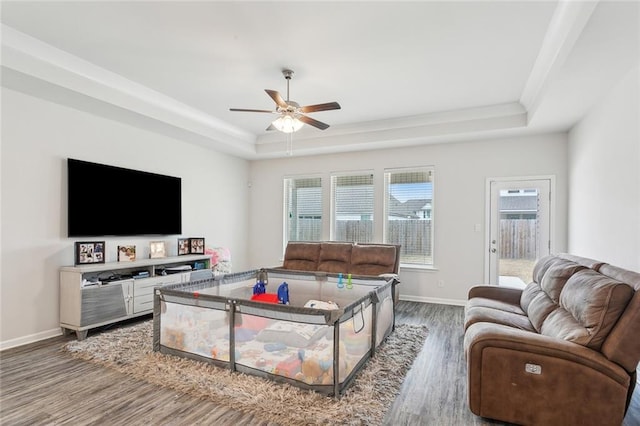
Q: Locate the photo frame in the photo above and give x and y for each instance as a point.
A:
(157, 249)
(126, 253)
(88, 252)
(196, 245)
(183, 246)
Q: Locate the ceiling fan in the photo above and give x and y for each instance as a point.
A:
(292, 115)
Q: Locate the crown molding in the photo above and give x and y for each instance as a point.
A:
(31, 57)
(567, 23)
(403, 131)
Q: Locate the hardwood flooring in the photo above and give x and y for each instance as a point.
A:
(40, 385)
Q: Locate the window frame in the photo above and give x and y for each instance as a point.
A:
(285, 199)
(386, 192)
(354, 173)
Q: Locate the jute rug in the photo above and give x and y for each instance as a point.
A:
(129, 350)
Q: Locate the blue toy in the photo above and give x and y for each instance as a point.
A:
(283, 293)
(259, 288)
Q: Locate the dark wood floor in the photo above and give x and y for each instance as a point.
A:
(40, 385)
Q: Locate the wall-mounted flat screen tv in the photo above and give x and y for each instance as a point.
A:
(106, 200)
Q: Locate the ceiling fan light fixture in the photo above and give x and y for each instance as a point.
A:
(287, 124)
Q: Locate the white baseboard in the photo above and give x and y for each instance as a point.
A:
(8, 344)
(437, 300)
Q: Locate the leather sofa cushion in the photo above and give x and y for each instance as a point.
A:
(542, 265)
(485, 302)
(540, 308)
(590, 305)
(301, 256)
(478, 314)
(543, 298)
(335, 257)
(532, 290)
(554, 280)
(372, 260)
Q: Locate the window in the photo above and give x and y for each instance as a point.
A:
(352, 207)
(303, 209)
(409, 213)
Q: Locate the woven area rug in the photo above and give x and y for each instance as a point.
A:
(129, 350)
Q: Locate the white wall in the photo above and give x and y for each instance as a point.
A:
(37, 137)
(604, 177)
(461, 170)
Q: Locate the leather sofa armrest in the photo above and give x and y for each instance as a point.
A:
(503, 294)
(480, 336)
(522, 377)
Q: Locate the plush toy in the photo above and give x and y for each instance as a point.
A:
(173, 338)
(315, 370)
(290, 367)
(220, 259)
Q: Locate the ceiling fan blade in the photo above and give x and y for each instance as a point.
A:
(252, 110)
(315, 123)
(276, 98)
(320, 107)
(271, 127)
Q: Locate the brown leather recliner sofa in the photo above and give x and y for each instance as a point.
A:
(563, 351)
(342, 257)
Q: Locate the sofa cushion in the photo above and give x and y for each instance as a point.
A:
(540, 308)
(556, 276)
(301, 256)
(372, 260)
(335, 257)
(532, 290)
(543, 298)
(590, 305)
(496, 316)
(542, 265)
(485, 302)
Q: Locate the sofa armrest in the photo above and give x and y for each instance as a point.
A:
(546, 374)
(482, 335)
(503, 294)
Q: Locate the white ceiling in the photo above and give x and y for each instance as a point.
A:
(404, 72)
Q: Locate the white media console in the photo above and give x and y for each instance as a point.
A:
(99, 294)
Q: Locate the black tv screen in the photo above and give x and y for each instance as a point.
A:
(106, 200)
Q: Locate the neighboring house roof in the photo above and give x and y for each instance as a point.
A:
(409, 209)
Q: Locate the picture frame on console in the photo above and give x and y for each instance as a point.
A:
(157, 249)
(88, 252)
(183, 246)
(196, 245)
(126, 253)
